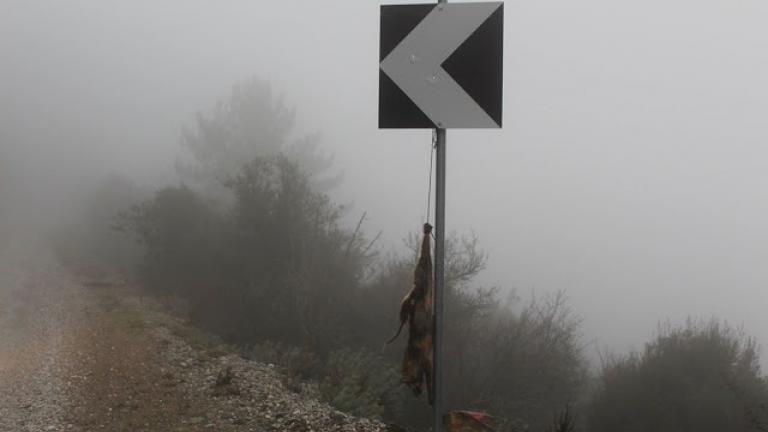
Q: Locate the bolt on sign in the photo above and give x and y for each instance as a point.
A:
(441, 65)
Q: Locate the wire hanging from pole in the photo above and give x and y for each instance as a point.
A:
(431, 164)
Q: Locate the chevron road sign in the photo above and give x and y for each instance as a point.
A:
(441, 65)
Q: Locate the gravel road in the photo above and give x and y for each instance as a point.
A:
(33, 322)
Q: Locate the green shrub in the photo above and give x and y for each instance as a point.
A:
(296, 364)
(701, 377)
(197, 338)
(361, 383)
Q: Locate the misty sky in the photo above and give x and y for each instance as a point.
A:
(632, 170)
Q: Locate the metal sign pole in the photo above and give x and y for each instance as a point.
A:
(439, 305)
(437, 360)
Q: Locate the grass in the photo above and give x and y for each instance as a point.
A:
(136, 313)
(129, 318)
(120, 310)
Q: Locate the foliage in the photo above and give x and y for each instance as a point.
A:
(198, 338)
(700, 377)
(564, 421)
(274, 267)
(180, 234)
(521, 364)
(297, 265)
(295, 362)
(527, 365)
(88, 240)
(361, 383)
(251, 123)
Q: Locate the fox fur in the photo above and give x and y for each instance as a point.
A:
(417, 309)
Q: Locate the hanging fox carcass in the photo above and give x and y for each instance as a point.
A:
(417, 309)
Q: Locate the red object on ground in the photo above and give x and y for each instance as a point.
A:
(468, 421)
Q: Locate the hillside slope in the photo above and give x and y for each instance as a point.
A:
(84, 354)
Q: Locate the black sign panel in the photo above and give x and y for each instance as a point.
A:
(441, 65)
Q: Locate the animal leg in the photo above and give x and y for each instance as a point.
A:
(412, 374)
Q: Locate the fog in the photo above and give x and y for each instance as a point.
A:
(630, 172)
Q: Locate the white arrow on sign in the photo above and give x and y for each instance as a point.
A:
(415, 65)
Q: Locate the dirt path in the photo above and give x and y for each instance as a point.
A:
(86, 354)
(33, 384)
